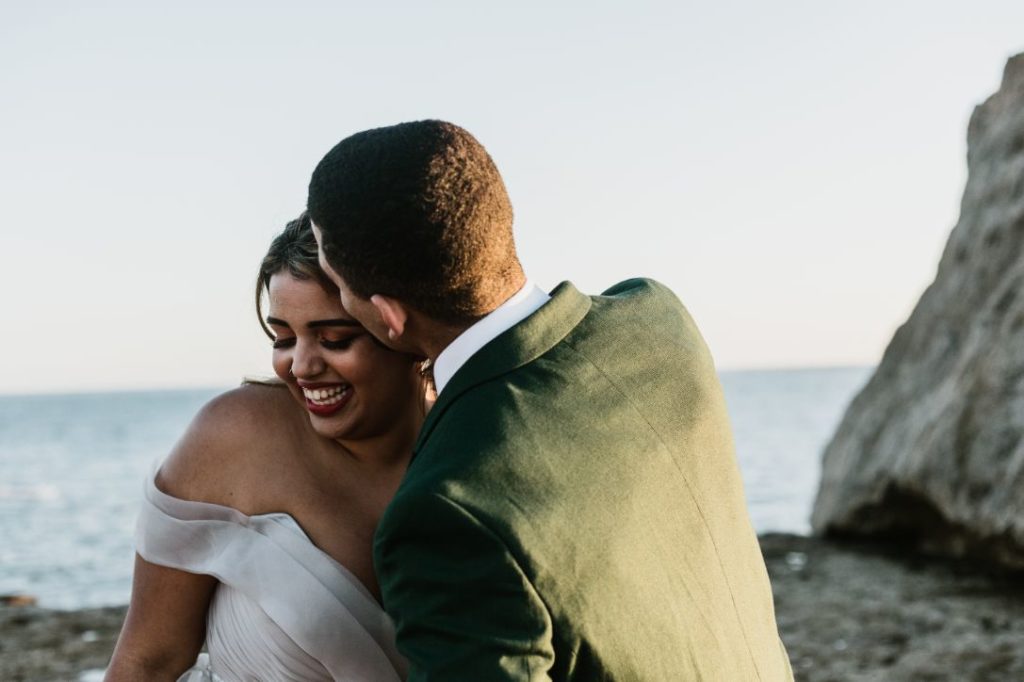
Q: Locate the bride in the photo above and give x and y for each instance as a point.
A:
(256, 531)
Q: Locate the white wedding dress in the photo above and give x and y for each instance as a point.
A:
(284, 609)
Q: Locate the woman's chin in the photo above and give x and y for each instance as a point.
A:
(329, 424)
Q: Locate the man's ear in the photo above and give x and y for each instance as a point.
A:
(393, 313)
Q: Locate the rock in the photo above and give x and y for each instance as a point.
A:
(858, 612)
(42, 645)
(17, 600)
(930, 453)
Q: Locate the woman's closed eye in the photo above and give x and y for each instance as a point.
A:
(339, 344)
(286, 342)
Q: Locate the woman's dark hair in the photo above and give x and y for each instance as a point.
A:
(294, 251)
(418, 212)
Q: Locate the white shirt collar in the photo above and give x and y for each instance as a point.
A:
(523, 303)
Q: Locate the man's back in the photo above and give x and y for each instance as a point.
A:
(574, 510)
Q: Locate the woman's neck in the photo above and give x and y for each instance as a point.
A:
(389, 450)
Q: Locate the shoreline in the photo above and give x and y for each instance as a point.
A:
(846, 611)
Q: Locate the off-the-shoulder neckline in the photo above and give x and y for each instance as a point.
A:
(244, 519)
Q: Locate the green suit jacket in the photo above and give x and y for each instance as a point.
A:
(574, 511)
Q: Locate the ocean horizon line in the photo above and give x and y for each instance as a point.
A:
(135, 390)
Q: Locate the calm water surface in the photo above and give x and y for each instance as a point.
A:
(71, 472)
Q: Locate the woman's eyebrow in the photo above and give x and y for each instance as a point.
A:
(277, 323)
(339, 322)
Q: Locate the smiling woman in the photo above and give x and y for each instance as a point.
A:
(349, 382)
(255, 533)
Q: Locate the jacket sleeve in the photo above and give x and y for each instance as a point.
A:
(463, 608)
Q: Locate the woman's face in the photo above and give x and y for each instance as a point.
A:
(351, 387)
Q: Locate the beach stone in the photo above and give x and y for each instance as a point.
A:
(930, 454)
(17, 600)
(865, 612)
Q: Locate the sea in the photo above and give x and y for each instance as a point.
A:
(72, 469)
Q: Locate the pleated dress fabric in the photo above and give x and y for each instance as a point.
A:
(284, 609)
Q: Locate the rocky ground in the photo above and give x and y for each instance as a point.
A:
(847, 613)
(859, 614)
(39, 644)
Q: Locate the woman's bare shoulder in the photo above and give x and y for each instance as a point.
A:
(235, 435)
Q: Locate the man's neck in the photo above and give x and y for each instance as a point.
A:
(514, 310)
(436, 337)
(433, 346)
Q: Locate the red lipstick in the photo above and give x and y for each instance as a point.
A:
(322, 410)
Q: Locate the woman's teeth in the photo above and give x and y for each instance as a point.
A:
(325, 396)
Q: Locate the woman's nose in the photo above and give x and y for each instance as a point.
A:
(307, 361)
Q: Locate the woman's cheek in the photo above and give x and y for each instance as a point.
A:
(281, 363)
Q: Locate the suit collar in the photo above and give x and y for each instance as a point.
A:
(517, 308)
(515, 347)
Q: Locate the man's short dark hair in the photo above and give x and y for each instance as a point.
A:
(417, 212)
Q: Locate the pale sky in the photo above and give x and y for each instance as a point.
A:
(791, 169)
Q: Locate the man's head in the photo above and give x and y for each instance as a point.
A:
(414, 215)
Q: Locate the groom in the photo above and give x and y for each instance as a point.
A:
(573, 510)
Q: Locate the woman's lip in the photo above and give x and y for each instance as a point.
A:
(319, 384)
(328, 410)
